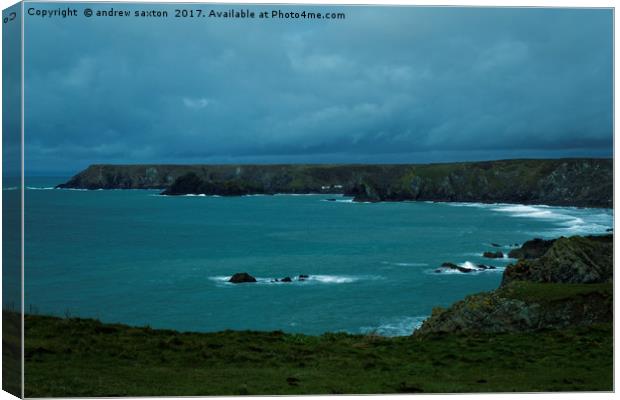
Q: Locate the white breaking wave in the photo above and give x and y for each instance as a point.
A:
(474, 205)
(185, 195)
(40, 188)
(405, 264)
(567, 220)
(472, 267)
(299, 194)
(403, 326)
(469, 265)
(333, 279)
(338, 200)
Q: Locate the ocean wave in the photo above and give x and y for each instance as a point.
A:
(405, 264)
(471, 266)
(473, 205)
(185, 195)
(11, 188)
(504, 257)
(350, 200)
(301, 194)
(403, 326)
(40, 188)
(568, 220)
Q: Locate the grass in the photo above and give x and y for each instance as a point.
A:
(533, 292)
(84, 357)
(11, 353)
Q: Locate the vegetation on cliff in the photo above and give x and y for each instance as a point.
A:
(568, 260)
(569, 285)
(574, 182)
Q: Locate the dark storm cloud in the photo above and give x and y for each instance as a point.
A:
(385, 85)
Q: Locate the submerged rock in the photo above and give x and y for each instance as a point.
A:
(242, 277)
(491, 254)
(496, 245)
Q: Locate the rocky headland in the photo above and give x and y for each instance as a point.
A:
(563, 182)
(563, 283)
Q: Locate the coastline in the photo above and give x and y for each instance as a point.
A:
(560, 182)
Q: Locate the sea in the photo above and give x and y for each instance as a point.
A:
(139, 258)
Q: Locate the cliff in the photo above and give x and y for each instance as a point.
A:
(568, 260)
(570, 285)
(566, 182)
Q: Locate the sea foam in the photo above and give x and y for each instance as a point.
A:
(403, 326)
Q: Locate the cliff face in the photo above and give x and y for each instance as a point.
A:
(568, 260)
(574, 182)
(570, 285)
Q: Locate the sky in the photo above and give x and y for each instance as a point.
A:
(385, 85)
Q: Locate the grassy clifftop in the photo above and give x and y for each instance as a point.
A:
(83, 357)
(574, 182)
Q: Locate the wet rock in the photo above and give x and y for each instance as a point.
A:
(496, 245)
(569, 260)
(449, 265)
(491, 254)
(242, 277)
(286, 279)
(531, 249)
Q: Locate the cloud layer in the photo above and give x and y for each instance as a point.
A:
(389, 84)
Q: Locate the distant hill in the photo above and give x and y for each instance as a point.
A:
(565, 182)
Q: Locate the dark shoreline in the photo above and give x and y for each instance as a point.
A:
(556, 182)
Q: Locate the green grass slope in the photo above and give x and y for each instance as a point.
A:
(83, 357)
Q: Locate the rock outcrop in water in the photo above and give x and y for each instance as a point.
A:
(493, 254)
(569, 285)
(242, 277)
(567, 182)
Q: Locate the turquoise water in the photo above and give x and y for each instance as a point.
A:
(135, 257)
